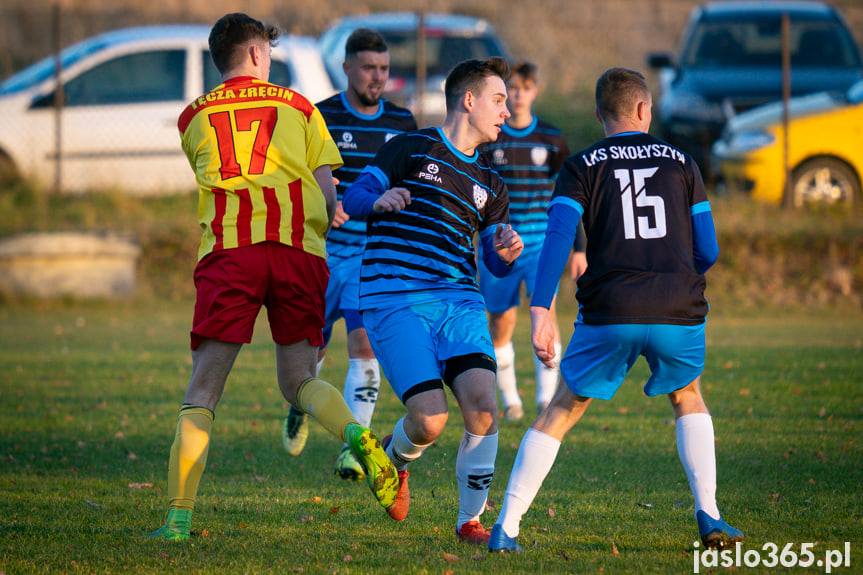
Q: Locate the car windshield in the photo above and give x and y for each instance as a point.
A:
(758, 43)
(44, 69)
(443, 51)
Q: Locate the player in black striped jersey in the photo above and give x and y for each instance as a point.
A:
(427, 194)
(527, 154)
(650, 238)
(360, 121)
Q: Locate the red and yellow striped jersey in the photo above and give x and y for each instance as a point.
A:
(254, 147)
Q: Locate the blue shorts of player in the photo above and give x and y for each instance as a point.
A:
(500, 294)
(421, 344)
(599, 357)
(343, 294)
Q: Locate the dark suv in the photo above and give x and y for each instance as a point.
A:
(730, 60)
(449, 39)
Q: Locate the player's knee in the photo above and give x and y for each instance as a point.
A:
(426, 428)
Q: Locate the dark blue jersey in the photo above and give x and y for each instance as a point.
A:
(358, 137)
(640, 200)
(528, 160)
(426, 251)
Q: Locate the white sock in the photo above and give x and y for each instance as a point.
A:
(536, 455)
(401, 449)
(319, 365)
(474, 470)
(695, 446)
(506, 385)
(547, 377)
(361, 388)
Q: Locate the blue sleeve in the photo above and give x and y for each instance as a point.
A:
(705, 247)
(359, 198)
(494, 264)
(563, 219)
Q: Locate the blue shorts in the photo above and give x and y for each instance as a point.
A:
(599, 357)
(413, 343)
(501, 294)
(343, 295)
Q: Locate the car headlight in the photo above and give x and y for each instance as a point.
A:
(744, 142)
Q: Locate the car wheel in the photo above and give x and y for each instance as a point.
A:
(8, 172)
(824, 181)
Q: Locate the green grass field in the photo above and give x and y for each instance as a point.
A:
(88, 404)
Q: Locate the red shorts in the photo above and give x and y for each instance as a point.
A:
(233, 284)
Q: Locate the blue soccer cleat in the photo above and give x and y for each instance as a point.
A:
(500, 542)
(716, 533)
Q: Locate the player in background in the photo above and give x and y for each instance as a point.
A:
(650, 238)
(527, 154)
(360, 122)
(263, 160)
(426, 194)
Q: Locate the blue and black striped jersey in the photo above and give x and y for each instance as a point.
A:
(358, 137)
(638, 198)
(426, 251)
(528, 160)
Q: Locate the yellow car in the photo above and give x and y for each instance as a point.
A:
(825, 150)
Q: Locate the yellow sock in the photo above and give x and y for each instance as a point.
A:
(188, 456)
(324, 402)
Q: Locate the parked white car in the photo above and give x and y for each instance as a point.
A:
(123, 92)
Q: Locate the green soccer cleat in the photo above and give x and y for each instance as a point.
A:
(347, 466)
(295, 431)
(380, 472)
(176, 528)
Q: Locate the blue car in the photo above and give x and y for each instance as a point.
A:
(730, 60)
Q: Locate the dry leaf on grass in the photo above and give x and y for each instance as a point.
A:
(449, 557)
(140, 485)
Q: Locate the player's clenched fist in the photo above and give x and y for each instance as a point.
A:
(393, 200)
(507, 243)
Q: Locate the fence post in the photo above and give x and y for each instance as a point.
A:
(58, 99)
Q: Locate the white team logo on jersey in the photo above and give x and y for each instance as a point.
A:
(498, 158)
(538, 156)
(389, 137)
(347, 142)
(479, 196)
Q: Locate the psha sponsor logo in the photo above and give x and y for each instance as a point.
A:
(431, 174)
(347, 142)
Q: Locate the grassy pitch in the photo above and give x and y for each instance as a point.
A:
(88, 402)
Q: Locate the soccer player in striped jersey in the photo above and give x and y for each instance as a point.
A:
(426, 195)
(263, 160)
(650, 238)
(528, 153)
(360, 121)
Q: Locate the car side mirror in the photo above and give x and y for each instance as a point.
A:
(659, 60)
